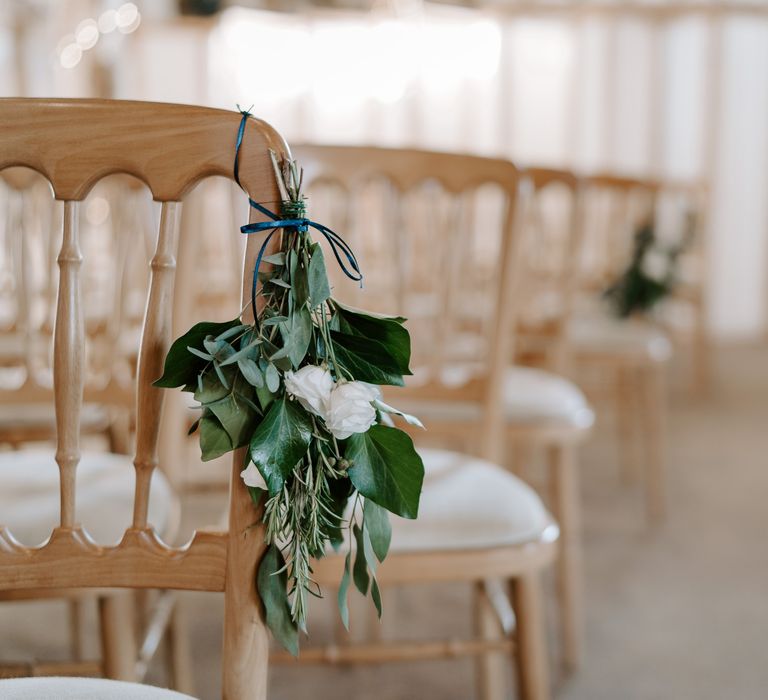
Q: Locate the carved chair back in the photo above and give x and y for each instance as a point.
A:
(74, 144)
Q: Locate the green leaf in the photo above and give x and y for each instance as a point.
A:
(343, 591)
(319, 289)
(274, 321)
(272, 377)
(232, 332)
(387, 469)
(245, 352)
(251, 372)
(181, 368)
(272, 582)
(366, 360)
(388, 331)
(237, 417)
(280, 441)
(299, 282)
(340, 491)
(378, 528)
(274, 259)
(279, 282)
(370, 559)
(297, 335)
(360, 569)
(214, 440)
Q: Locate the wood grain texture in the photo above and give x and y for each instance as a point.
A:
(75, 143)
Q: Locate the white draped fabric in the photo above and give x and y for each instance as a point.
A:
(682, 95)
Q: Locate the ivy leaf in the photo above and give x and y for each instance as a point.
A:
(365, 359)
(388, 331)
(297, 335)
(237, 417)
(387, 469)
(319, 289)
(378, 528)
(340, 491)
(342, 597)
(360, 569)
(214, 440)
(280, 441)
(272, 582)
(181, 368)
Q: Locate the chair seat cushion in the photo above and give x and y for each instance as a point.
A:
(598, 333)
(29, 496)
(468, 503)
(82, 689)
(35, 417)
(530, 395)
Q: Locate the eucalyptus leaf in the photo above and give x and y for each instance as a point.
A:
(251, 372)
(299, 281)
(272, 582)
(370, 559)
(297, 335)
(244, 352)
(272, 377)
(232, 332)
(319, 289)
(199, 353)
(386, 469)
(343, 593)
(365, 359)
(274, 320)
(280, 441)
(280, 282)
(180, 368)
(274, 259)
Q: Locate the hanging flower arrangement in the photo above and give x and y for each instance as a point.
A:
(651, 274)
(299, 388)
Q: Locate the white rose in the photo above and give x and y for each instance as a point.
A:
(350, 409)
(252, 477)
(655, 265)
(311, 386)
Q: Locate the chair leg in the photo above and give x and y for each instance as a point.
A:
(179, 653)
(531, 658)
(566, 504)
(626, 434)
(118, 639)
(489, 667)
(76, 613)
(654, 398)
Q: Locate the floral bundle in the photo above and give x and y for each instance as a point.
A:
(651, 274)
(299, 388)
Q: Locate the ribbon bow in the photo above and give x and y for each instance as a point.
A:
(295, 225)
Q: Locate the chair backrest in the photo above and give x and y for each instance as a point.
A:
(117, 239)
(551, 222)
(434, 233)
(615, 208)
(75, 143)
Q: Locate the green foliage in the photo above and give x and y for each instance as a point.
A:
(386, 469)
(280, 441)
(180, 369)
(314, 481)
(272, 583)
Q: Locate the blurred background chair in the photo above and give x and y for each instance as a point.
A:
(627, 357)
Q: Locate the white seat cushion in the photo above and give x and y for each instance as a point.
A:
(468, 503)
(37, 416)
(594, 332)
(530, 395)
(82, 689)
(29, 496)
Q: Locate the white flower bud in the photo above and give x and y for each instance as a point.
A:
(311, 386)
(252, 477)
(350, 409)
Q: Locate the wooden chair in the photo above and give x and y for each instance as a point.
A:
(631, 355)
(428, 226)
(74, 143)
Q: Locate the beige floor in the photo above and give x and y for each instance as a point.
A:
(677, 613)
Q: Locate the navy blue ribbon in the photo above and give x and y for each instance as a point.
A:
(338, 245)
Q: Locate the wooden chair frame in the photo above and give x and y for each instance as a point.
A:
(74, 143)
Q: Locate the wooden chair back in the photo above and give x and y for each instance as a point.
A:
(75, 143)
(551, 222)
(434, 234)
(614, 208)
